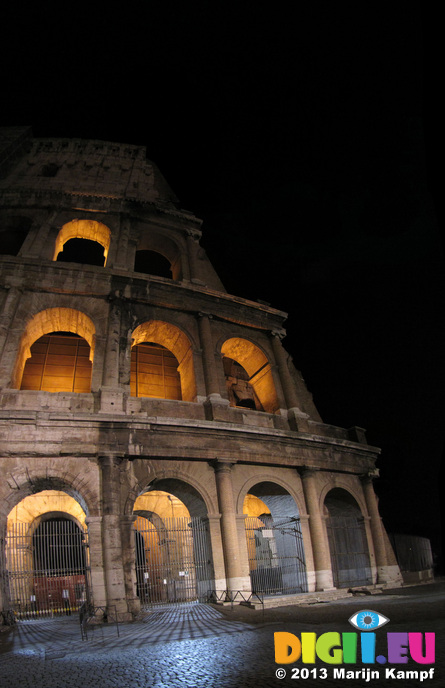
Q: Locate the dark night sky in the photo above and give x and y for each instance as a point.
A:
(308, 143)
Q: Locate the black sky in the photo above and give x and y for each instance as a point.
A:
(307, 137)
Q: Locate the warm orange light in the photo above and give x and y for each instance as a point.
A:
(83, 229)
(52, 320)
(173, 339)
(255, 363)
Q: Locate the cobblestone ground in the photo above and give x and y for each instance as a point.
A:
(203, 646)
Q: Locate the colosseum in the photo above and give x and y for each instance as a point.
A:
(157, 443)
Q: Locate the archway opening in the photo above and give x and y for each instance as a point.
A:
(274, 541)
(173, 559)
(154, 372)
(152, 263)
(59, 362)
(347, 540)
(81, 252)
(165, 355)
(47, 555)
(52, 321)
(248, 375)
(240, 390)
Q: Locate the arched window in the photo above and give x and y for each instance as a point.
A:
(240, 391)
(82, 251)
(59, 362)
(85, 241)
(154, 372)
(162, 362)
(249, 382)
(69, 344)
(152, 263)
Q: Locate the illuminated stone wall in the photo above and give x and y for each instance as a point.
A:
(100, 451)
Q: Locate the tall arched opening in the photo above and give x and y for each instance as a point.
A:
(274, 541)
(348, 544)
(162, 362)
(173, 557)
(65, 339)
(248, 376)
(83, 241)
(47, 557)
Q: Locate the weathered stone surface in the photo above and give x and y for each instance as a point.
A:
(104, 445)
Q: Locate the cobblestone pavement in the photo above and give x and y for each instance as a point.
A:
(203, 646)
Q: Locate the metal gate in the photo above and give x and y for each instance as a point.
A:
(173, 559)
(349, 551)
(276, 555)
(47, 568)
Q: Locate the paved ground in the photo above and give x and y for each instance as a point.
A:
(205, 646)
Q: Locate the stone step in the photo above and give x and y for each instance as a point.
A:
(300, 599)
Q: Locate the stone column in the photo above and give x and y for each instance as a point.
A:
(112, 541)
(297, 419)
(98, 592)
(219, 572)
(223, 475)
(385, 571)
(128, 562)
(192, 241)
(9, 308)
(208, 356)
(112, 398)
(120, 258)
(320, 545)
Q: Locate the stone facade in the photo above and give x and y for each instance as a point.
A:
(230, 417)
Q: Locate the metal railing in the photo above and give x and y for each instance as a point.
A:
(232, 596)
(91, 617)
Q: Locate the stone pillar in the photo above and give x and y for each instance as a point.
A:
(229, 531)
(219, 572)
(111, 397)
(128, 562)
(192, 242)
(385, 572)
(320, 545)
(98, 592)
(9, 308)
(112, 541)
(297, 419)
(120, 258)
(208, 356)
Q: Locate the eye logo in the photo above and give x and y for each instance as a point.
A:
(367, 620)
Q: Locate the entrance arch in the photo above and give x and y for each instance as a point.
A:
(173, 558)
(47, 557)
(274, 541)
(348, 544)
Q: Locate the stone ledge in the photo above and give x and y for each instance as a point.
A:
(300, 599)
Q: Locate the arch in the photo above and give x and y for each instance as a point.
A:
(259, 374)
(172, 544)
(152, 263)
(273, 485)
(158, 243)
(347, 539)
(33, 483)
(274, 540)
(83, 229)
(46, 552)
(47, 321)
(174, 340)
(59, 362)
